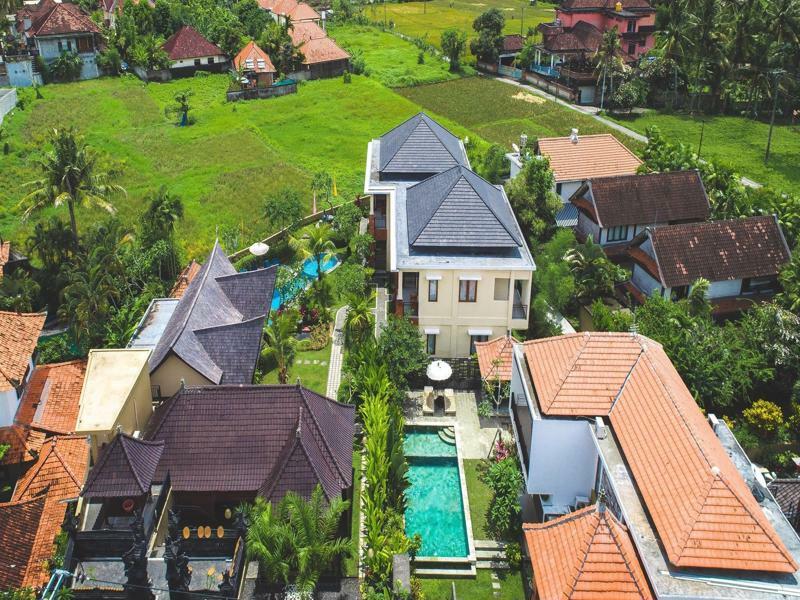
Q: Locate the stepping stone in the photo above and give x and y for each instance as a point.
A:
(306, 362)
(316, 361)
(323, 363)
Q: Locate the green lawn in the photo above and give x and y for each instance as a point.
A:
(390, 59)
(736, 141)
(222, 166)
(427, 20)
(499, 112)
(479, 588)
(351, 565)
(479, 497)
(313, 376)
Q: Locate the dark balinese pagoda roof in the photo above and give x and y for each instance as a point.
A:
(125, 469)
(216, 327)
(265, 439)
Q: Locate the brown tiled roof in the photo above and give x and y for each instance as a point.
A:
(188, 43)
(126, 468)
(283, 7)
(719, 250)
(315, 45)
(648, 199)
(61, 18)
(600, 155)
(57, 476)
(19, 333)
(702, 509)
(513, 42)
(254, 438)
(186, 277)
(495, 357)
(787, 495)
(19, 523)
(5, 254)
(304, 31)
(52, 396)
(255, 54)
(581, 37)
(604, 4)
(586, 555)
(23, 443)
(303, 12)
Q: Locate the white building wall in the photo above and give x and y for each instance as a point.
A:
(20, 74)
(189, 62)
(725, 289)
(8, 407)
(588, 227)
(568, 188)
(642, 280)
(8, 100)
(563, 461)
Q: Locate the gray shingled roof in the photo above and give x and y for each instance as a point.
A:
(126, 468)
(458, 209)
(216, 327)
(419, 146)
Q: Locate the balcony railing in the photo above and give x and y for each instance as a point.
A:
(519, 311)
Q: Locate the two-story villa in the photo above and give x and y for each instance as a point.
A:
(459, 264)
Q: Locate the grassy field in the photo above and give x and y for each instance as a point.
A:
(479, 497)
(427, 20)
(479, 588)
(223, 166)
(499, 112)
(736, 141)
(312, 375)
(390, 59)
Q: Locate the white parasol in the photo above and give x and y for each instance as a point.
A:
(259, 249)
(439, 370)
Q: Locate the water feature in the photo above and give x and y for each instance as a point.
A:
(307, 276)
(435, 504)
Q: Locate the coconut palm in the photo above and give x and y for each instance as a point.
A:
(269, 541)
(359, 320)
(18, 291)
(281, 343)
(316, 243)
(608, 59)
(595, 275)
(87, 301)
(70, 177)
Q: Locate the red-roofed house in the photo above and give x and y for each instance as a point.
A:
(294, 11)
(322, 57)
(189, 52)
(255, 65)
(19, 333)
(50, 29)
(607, 414)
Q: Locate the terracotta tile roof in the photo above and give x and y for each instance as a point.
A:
(586, 555)
(702, 509)
(259, 63)
(50, 18)
(23, 443)
(582, 37)
(19, 333)
(303, 12)
(52, 396)
(57, 476)
(126, 468)
(600, 155)
(185, 278)
(719, 250)
(304, 31)
(284, 7)
(254, 438)
(495, 357)
(321, 50)
(5, 254)
(188, 43)
(648, 199)
(19, 523)
(513, 42)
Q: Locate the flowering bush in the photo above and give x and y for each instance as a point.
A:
(503, 450)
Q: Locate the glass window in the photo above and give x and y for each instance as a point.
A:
(632, 48)
(617, 234)
(558, 189)
(501, 285)
(248, 63)
(430, 343)
(197, 62)
(433, 290)
(631, 26)
(467, 291)
(476, 338)
(211, 60)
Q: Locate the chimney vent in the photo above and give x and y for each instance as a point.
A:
(573, 136)
(600, 428)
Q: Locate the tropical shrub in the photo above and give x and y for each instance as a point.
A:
(765, 417)
(505, 480)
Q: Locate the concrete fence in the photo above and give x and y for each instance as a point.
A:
(266, 92)
(556, 89)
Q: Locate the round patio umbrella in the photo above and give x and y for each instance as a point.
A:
(259, 249)
(439, 370)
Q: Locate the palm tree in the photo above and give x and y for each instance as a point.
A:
(70, 177)
(162, 213)
(359, 320)
(316, 243)
(7, 7)
(18, 292)
(595, 275)
(281, 343)
(87, 300)
(608, 58)
(672, 41)
(269, 541)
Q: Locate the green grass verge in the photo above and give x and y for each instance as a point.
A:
(735, 141)
(351, 564)
(427, 20)
(223, 166)
(480, 495)
(480, 588)
(312, 376)
(499, 112)
(392, 60)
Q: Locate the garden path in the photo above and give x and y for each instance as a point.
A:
(335, 369)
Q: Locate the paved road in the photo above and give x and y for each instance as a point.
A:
(591, 111)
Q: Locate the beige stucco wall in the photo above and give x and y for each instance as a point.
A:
(168, 376)
(454, 318)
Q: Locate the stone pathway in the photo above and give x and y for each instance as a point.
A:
(381, 300)
(495, 584)
(335, 370)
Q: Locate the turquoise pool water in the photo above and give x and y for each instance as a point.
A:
(435, 506)
(308, 275)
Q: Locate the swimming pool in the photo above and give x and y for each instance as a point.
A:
(309, 274)
(435, 507)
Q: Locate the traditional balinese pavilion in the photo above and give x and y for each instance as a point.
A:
(162, 510)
